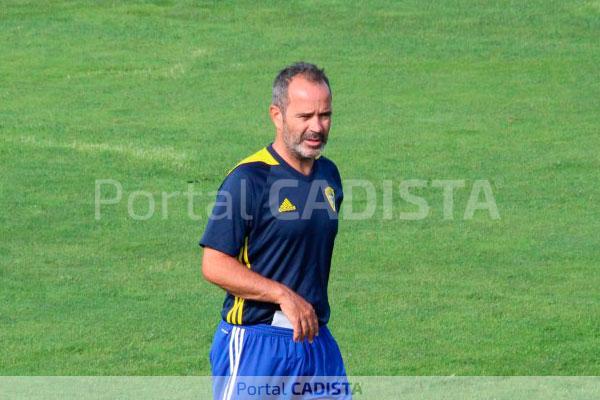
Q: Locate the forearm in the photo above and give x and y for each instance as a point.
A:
(234, 277)
(230, 274)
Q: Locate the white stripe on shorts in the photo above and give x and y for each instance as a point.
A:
(236, 343)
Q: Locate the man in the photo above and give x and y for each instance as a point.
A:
(269, 243)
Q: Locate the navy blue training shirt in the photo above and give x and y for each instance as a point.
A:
(280, 224)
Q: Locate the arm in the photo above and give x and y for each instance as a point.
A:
(228, 273)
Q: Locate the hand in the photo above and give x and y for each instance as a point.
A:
(301, 315)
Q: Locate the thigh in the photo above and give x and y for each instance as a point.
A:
(323, 356)
(243, 358)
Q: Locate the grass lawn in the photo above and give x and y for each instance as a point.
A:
(158, 94)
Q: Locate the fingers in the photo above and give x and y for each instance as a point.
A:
(306, 326)
(310, 326)
(306, 329)
(313, 327)
(315, 323)
(297, 330)
(302, 316)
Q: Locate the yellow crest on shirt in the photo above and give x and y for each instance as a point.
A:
(330, 196)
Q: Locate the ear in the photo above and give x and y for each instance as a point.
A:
(277, 117)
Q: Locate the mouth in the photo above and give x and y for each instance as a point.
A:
(314, 142)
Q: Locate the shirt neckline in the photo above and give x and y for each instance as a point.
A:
(292, 170)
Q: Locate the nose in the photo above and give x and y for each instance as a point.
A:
(316, 125)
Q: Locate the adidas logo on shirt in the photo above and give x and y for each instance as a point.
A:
(286, 206)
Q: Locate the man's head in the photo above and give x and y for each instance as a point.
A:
(301, 109)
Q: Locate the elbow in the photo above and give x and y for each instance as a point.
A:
(207, 272)
(208, 268)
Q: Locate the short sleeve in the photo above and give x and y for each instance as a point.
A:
(231, 217)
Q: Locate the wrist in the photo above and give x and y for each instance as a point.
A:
(280, 293)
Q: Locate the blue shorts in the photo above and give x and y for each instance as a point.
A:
(263, 362)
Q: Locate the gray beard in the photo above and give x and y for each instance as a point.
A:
(296, 148)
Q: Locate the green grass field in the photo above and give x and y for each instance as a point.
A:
(156, 94)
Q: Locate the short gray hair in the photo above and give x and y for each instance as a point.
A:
(307, 70)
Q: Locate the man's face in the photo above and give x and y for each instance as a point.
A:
(307, 118)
